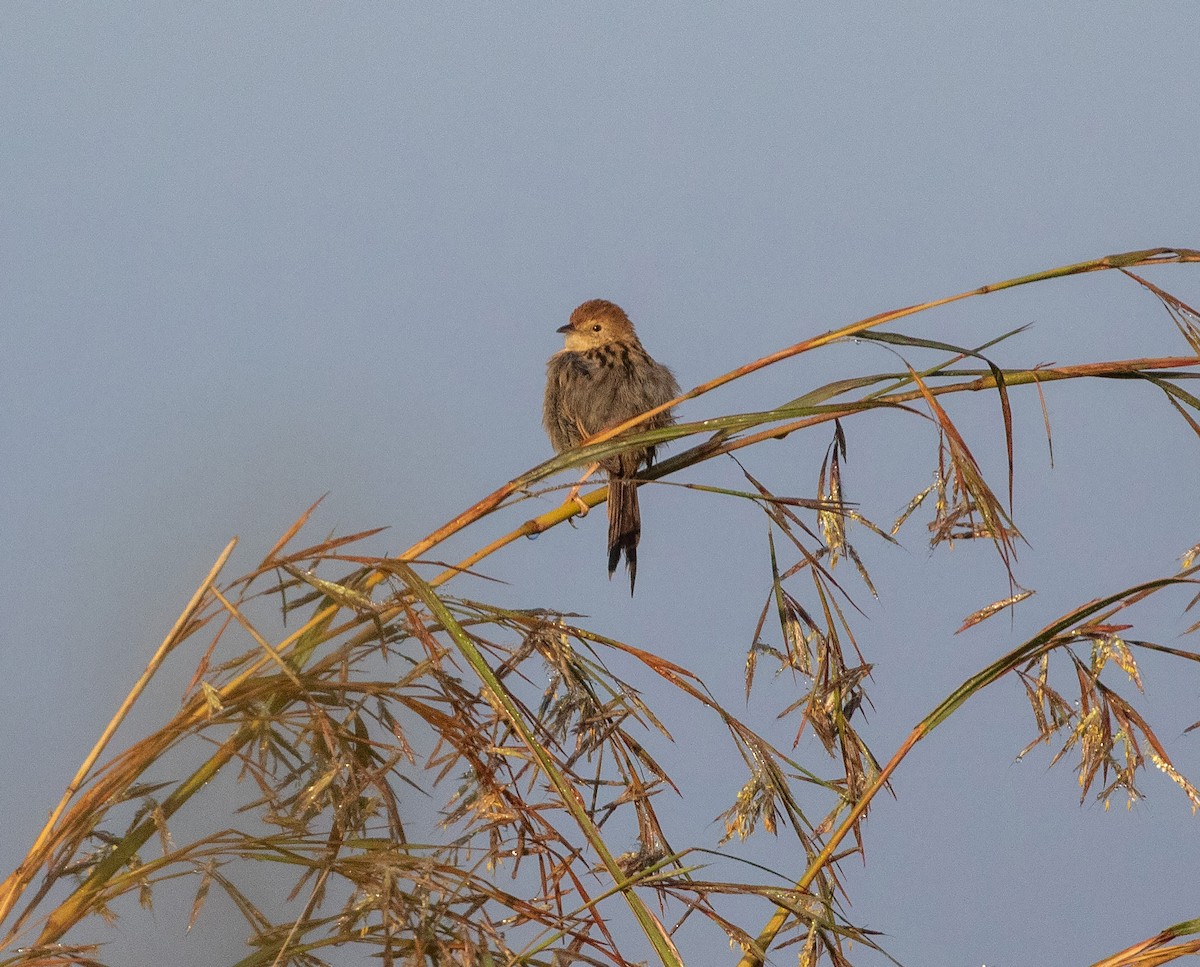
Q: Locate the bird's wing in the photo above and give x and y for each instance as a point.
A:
(564, 372)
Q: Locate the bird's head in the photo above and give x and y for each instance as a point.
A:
(596, 323)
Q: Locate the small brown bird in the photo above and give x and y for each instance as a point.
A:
(602, 378)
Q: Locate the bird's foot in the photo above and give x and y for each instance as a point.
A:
(574, 494)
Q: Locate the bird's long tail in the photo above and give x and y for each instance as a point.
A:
(624, 525)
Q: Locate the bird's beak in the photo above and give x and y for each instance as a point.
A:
(564, 329)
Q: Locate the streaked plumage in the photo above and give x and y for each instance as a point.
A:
(604, 377)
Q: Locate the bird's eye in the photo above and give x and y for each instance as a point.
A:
(596, 327)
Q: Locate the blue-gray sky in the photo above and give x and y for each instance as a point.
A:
(254, 253)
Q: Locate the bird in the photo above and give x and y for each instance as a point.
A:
(600, 378)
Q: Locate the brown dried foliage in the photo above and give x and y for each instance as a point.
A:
(437, 780)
